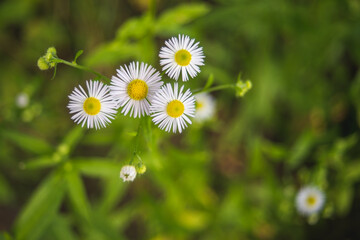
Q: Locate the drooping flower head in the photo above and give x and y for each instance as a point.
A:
(205, 107)
(134, 87)
(181, 55)
(128, 173)
(171, 108)
(94, 107)
(309, 200)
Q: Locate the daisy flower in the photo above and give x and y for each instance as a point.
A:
(181, 55)
(309, 200)
(205, 107)
(128, 173)
(94, 108)
(171, 108)
(134, 87)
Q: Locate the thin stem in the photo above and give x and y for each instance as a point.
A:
(152, 8)
(136, 142)
(212, 89)
(86, 69)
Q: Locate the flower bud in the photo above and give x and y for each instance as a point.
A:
(141, 168)
(42, 64)
(242, 87)
(51, 51)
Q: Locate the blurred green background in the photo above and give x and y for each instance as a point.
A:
(234, 177)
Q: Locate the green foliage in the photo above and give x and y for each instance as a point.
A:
(234, 177)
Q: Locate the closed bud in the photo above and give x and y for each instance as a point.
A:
(140, 168)
(242, 87)
(42, 64)
(52, 51)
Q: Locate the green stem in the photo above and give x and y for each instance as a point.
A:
(86, 69)
(152, 8)
(212, 89)
(136, 142)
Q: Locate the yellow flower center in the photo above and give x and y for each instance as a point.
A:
(175, 108)
(137, 89)
(182, 57)
(199, 105)
(311, 200)
(92, 106)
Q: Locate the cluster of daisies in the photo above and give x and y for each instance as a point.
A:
(137, 89)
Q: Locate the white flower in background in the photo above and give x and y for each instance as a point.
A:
(22, 100)
(181, 55)
(205, 107)
(171, 108)
(309, 200)
(94, 108)
(128, 173)
(134, 87)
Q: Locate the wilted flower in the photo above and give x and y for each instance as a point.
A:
(128, 173)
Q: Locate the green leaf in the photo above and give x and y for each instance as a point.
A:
(112, 53)
(41, 208)
(351, 172)
(113, 190)
(209, 81)
(97, 167)
(301, 149)
(134, 28)
(73, 137)
(38, 163)
(26, 142)
(6, 193)
(78, 54)
(60, 229)
(54, 74)
(77, 193)
(5, 236)
(344, 196)
(183, 14)
(273, 150)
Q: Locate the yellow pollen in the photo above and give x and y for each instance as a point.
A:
(92, 106)
(311, 200)
(182, 57)
(137, 89)
(175, 108)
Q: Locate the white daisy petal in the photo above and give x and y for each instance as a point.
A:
(93, 109)
(134, 88)
(309, 200)
(171, 108)
(181, 56)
